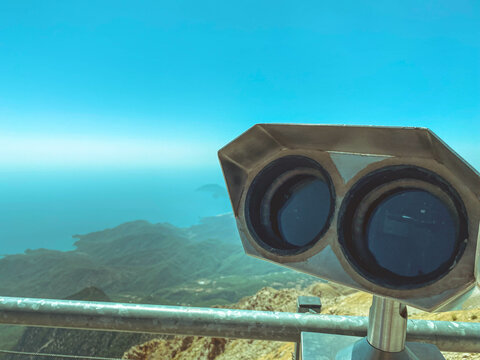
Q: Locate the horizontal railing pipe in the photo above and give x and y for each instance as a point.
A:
(214, 322)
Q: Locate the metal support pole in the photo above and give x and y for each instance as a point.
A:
(226, 323)
(387, 325)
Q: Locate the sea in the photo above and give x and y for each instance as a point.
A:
(45, 208)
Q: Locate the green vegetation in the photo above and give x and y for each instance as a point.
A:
(139, 262)
(136, 259)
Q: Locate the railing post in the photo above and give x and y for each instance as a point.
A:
(310, 305)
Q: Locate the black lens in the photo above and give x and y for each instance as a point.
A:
(289, 205)
(300, 210)
(411, 233)
(402, 227)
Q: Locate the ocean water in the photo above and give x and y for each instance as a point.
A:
(43, 209)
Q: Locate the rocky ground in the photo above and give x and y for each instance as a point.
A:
(335, 300)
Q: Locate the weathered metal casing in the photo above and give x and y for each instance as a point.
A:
(348, 153)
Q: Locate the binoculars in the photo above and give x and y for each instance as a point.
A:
(387, 210)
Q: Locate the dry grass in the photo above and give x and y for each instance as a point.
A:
(335, 299)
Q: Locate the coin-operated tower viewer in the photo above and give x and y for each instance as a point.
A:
(391, 211)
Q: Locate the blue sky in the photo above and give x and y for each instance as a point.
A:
(167, 83)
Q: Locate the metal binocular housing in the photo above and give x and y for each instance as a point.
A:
(390, 211)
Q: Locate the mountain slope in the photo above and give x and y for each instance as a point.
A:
(336, 300)
(139, 260)
(144, 263)
(76, 342)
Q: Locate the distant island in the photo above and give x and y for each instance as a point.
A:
(216, 191)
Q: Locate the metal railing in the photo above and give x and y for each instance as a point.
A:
(224, 323)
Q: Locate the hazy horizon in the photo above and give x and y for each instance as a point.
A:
(44, 210)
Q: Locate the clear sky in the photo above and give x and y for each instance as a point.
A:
(167, 83)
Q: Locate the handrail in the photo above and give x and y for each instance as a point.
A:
(215, 322)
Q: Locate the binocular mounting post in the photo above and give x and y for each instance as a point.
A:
(387, 325)
(385, 340)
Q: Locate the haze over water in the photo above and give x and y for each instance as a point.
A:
(45, 208)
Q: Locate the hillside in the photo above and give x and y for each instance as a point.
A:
(75, 342)
(155, 263)
(140, 262)
(336, 300)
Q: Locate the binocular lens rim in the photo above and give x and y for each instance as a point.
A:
(272, 182)
(369, 193)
